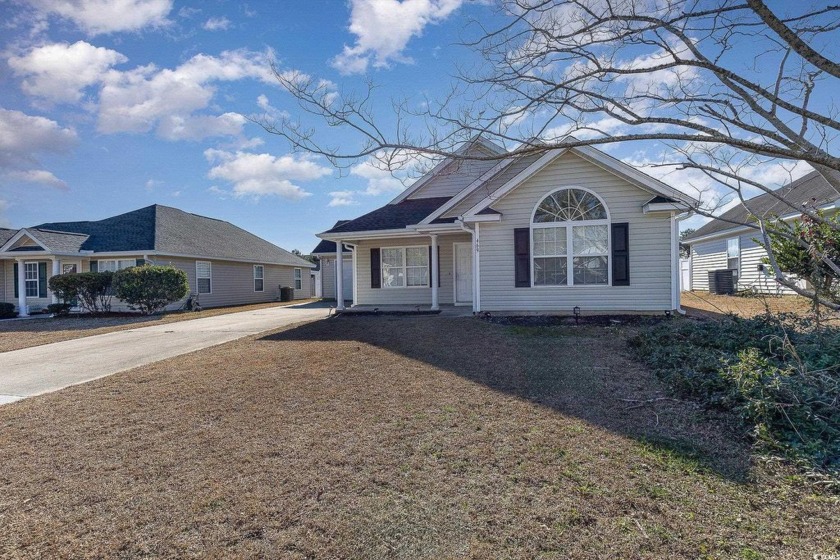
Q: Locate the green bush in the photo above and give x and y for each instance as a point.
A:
(780, 375)
(7, 311)
(59, 309)
(91, 289)
(150, 288)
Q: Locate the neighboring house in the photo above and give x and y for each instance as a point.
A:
(729, 242)
(325, 251)
(572, 227)
(225, 264)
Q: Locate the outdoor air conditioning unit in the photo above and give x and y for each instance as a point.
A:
(722, 282)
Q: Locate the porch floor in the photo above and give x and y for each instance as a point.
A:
(445, 310)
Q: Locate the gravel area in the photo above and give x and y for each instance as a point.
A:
(395, 437)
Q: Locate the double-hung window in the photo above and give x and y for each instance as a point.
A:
(405, 267)
(113, 265)
(298, 279)
(259, 278)
(733, 256)
(203, 277)
(32, 279)
(570, 236)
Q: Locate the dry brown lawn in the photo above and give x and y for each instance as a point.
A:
(394, 437)
(15, 335)
(704, 304)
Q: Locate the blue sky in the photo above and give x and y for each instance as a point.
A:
(109, 106)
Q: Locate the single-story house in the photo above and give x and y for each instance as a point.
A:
(544, 233)
(730, 242)
(225, 264)
(326, 253)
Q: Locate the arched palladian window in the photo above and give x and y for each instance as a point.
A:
(570, 239)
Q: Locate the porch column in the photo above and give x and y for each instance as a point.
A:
(56, 270)
(434, 278)
(339, 276)
(21, 282)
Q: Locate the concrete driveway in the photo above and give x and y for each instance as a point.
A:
(43, 369)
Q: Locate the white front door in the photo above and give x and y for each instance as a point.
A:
(347, 284)
(463, 273)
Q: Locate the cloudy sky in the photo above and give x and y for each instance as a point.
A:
(110, 105)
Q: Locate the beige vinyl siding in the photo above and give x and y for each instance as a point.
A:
(650, 247)
(34, 304)
(407, 296)
(490, 186)
(454, 178)
(232, 283)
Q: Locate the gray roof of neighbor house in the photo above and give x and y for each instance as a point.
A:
(6, 234)
(325, 247)
(811, 188)
(168, 231)
(393, 216)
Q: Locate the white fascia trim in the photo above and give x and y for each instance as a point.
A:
(302, 264)
(664, 207)
(488, 146)
(483, 218)
(499, 193)
(630, 173)
(20, 234)
(370, 234)
(435, 228)
(495, 170)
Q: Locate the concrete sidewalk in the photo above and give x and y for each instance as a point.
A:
(43, 369)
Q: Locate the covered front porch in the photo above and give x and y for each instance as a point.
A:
(25, 280)
(411, 271)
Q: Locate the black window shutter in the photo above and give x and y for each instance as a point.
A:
(17, 280)
(375, 268)
(42, 279)
(522, 254)
(621, 254)
(430, 267)
(94, 266)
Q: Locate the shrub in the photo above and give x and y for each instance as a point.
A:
(7, 311)
(91, 289)
(780, 376)
(59, 309)
(150, 288)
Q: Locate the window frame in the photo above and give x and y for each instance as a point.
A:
(298, 278)
(208, 277)
(261, 277)
(737, 268)
(405, 266)
(36, 280)
(569, 226)
(116, 264)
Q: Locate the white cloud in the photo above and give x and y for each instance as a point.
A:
(264, 174)
(342, 198)
(175, 127)
(23, 136)
(383, 29)
(108, 16)
(138, 100)
(59, 72)
(37, 176)
(379, 180)
(4, 221)
(217, 24)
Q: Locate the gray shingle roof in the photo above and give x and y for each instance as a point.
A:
(171, 231)
(6, 234)
(811, 187)
(329, 246)
(60, 241)
(393, 216)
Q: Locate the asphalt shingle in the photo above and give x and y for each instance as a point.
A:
(393, 216)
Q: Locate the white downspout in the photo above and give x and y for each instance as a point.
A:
(56, 270)
(477, 268)
(434, 278)
(354, 248)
